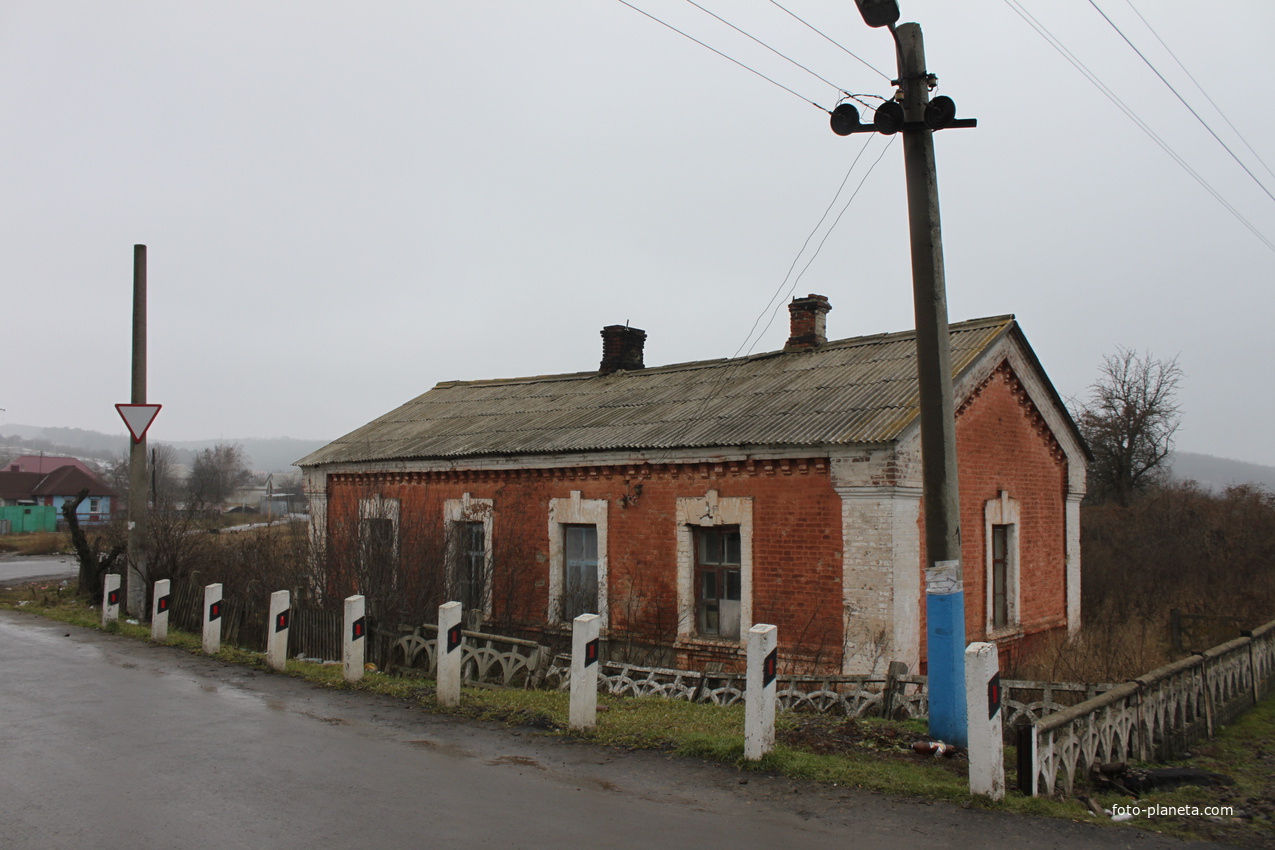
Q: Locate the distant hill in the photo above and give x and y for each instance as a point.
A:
(275, 454)
(1218, 473)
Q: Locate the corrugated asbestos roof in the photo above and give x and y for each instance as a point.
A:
(860, 390)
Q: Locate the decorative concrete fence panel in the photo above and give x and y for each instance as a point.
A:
(1023, 702)
(492, 659)
(1157, 716)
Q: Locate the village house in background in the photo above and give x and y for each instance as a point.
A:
(684, 503)
(33, 489)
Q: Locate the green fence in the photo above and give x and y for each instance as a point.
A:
(27, 518)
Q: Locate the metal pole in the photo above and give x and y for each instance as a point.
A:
(138, 481)
(945, 610)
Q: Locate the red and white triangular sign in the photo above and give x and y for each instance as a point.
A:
(138, 418)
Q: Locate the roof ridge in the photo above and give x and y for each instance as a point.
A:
(687, 365)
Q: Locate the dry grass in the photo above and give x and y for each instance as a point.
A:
(36, 543)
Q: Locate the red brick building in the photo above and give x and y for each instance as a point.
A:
(685, 503)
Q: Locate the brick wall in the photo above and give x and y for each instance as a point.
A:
(796, 553)
(1003, 444)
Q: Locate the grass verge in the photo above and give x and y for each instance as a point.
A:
(36, 543)
(872, 755)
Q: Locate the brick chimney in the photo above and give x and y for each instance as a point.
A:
(621, 348)
(807, 316)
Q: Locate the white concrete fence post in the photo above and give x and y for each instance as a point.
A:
(110, 598)
(759, 697)
(277, 636)
(449, 653)
(354, 647)
(162, 601)
(985, 720)
(212, 619)
(585, 631)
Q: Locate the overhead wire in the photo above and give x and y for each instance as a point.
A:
(765, 45)
(1183, 100)
(815, 30)
(723, 55)
(827, 233)
(779, 289)
(734, 362)
(772, 306)
(1192, 78)
(1075, 62)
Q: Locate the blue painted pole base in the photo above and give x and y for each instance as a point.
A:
(945, 654)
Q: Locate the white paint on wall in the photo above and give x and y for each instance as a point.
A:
(1002, 511)
(1073, 562)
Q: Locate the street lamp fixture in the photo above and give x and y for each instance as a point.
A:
(879, 13)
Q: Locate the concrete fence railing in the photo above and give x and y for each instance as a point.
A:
(868, 695)
(1155, 716)
(493, 659)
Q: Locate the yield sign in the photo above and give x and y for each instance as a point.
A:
(138, 417)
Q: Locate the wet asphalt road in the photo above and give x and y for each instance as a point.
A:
(15, 569)
(107, 742)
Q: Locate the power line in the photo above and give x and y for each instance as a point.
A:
(734, 362)
(1054, 42)
(818, 32)
(765, 45)
(802, 250)
(1192, 78)
(723, 55)
(826, 234)
(1190, 108)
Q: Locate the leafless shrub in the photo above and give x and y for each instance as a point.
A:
(1177, 546)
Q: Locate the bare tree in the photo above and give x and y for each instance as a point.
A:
(93, 562)
(217, 473)
(1129, 421)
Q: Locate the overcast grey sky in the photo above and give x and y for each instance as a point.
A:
(347, 203)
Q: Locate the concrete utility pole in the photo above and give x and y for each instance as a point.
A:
(138, 481)
(945, 597)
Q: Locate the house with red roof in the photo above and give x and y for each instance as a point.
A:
(45, 464)
(56, 487)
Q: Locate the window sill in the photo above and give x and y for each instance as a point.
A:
(709, 642)
(1004, 632)
(565, 629)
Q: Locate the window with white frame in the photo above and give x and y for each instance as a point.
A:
(469, 566)
(580, 561)
(718, 584)
(1000, 534)
(714, 566)
(378, 532)
(1000, 576)
(577, 558)
(469, 544)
